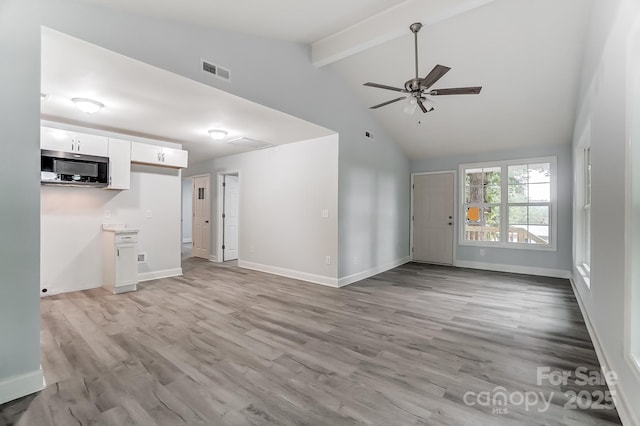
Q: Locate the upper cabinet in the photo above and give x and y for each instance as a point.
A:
(158, 155)
(119, 164)
(79, 143)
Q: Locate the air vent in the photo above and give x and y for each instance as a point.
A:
(214, 69)
(250, 143)
(142, 257)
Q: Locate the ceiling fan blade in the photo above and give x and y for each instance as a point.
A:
(425, 108)
(422, 107)
(457, 91)
(388, 102)
(384, 86)
(436, 74)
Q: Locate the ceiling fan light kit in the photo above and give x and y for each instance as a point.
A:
(418, 88)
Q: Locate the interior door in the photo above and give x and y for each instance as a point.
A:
(230, 236)
(201, 231)
(433, 218)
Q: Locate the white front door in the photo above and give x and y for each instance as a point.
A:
(433, 218)
(201, 234)
(230, 218)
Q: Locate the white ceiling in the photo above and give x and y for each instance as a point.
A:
(303, 21)
(526, 54)
(142, 100)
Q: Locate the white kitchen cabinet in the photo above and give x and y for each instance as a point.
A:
(78, 143)
(120, 258)
(158, 155)
(119, 164)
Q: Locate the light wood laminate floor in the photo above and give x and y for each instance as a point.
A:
(227, 346)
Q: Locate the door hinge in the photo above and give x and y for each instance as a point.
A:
(223, 247)
(411, 249)
(413, 186)
(224, 183)
(223, 215)
(413, 218)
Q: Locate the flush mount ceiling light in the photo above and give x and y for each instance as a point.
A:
(88, 105)
(217, 134)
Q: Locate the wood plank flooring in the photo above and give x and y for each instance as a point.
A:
(227, 346)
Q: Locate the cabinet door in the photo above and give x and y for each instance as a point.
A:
(119, 164)
(56, 139)
(175, 157)
(91, 145)
(126, 265)
(145, 153)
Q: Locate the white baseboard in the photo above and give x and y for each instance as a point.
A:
(18, 386)
(514, 269)
(622, 405)
(290, 273)
(214, 258)
(359, 276)
(53, 292)
(155, 275)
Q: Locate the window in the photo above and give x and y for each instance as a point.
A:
(510, 203)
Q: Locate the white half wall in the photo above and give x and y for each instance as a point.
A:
(282, 194)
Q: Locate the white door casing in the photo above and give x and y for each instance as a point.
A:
(201, 225)
(230, 235)
(433, 214)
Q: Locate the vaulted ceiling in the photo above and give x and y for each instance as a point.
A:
(526, 54)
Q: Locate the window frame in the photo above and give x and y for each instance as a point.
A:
(504, 204)
(585, 259)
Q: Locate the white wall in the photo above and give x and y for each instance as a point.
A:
(282, 193)
(71, 235)
(187, 207)
(551, 263)
(603, 104)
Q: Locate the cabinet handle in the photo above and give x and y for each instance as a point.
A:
(163, 157)
(118, 251)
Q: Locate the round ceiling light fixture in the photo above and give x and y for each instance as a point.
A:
(217, 134)
(88, 105)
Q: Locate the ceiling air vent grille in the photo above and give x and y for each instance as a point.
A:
(214, 69)
(250, 143)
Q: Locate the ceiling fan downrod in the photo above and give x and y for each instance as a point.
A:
(415, 28)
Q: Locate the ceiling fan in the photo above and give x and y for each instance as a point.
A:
(417, 88)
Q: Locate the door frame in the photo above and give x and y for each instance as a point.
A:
(219, 257)
(193, 202)
(455, 210)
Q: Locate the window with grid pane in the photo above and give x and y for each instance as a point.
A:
(509, 203)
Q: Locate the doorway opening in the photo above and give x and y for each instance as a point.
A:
(187, 218)
(201, 217)
(228, 214)
(432, 214)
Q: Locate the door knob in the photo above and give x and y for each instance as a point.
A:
(450, 223)
(206, 221)
(450, 217)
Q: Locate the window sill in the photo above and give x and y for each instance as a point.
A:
(486, 244)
